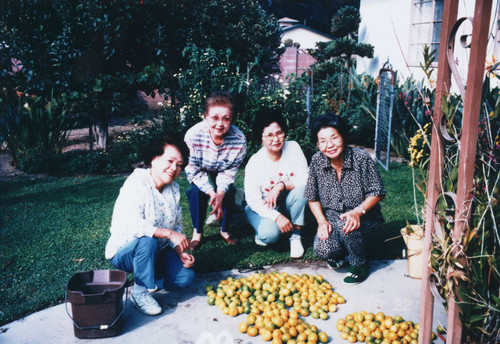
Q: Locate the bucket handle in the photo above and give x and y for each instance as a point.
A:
(100, 327)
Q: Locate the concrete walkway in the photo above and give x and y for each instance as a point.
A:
(187, 318)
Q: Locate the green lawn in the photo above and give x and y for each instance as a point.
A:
(53, 227)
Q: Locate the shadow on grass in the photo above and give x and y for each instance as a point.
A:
(62, 190)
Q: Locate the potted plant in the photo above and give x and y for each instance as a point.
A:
(413, 234)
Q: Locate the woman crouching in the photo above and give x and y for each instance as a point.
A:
(146, 228)
(344, 189)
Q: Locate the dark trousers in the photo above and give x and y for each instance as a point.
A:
(198, 204)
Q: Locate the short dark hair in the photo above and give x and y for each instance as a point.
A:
(221, 98)
(329, 120)
(264, 118)
(156, 147)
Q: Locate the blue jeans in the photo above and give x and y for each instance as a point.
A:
(152, 266)
(291, 204)
(198, 204)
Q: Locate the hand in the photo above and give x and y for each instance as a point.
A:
(179, 240)
(352, 220)
(216, 203)
(324, 230)
(186, 259)
(284, 224)
(272, 196)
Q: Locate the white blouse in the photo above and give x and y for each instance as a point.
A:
(261, 174)
(140, 208)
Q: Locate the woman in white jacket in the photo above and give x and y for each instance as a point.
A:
(275, 178)
(146, 229)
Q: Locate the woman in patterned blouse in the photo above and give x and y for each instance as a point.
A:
(146, 228)
(217, 148)
(344, 189)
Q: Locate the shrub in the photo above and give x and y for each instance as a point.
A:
(33, 129)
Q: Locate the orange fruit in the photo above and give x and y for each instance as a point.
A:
(266, 334)
(233, 312)
(293, 321)
(302, 337)
(323, 337)
(252, 331)
(300, 328)
(243, 327)
(312, 337)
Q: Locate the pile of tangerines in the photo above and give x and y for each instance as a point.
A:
(275, 304)
(378, 329)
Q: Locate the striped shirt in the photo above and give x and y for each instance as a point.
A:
(206, 157)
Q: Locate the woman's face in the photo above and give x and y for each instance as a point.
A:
(330, 143)
(273, 138)
(219, 118)
(166, 167)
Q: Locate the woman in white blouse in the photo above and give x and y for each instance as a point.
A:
(275, 178)
(146, 228)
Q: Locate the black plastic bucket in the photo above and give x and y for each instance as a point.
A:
(97, 305)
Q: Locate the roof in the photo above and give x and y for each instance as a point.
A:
(287, 20)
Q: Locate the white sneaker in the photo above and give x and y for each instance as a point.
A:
(212, 221)
(259, 242)
(145, 303)
(296, 248)
(154, 290)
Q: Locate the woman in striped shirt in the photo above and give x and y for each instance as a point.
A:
(217, 148)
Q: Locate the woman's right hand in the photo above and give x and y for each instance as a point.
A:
(324, 230)
(179, 240)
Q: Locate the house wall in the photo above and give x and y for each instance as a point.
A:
(386, 25)
(306, 38)
(293, 62)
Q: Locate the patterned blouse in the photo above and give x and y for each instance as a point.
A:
(140, 208)
(205, 157)
(360, 179)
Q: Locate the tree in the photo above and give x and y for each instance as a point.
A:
(98, 52)
(313, 13)
(341, 51)
(102, 52)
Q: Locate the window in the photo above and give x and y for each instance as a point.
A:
(425, 29)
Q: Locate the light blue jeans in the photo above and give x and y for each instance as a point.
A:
(291, 204)
(152, 266)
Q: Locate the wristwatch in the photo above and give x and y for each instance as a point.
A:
(362, 209)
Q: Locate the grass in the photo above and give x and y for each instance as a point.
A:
(53, 227)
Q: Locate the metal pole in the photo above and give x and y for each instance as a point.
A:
(468, 145)
(443, 82)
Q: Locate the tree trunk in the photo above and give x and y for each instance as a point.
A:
(100, 131)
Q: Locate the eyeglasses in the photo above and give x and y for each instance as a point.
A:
(330, 141)
(217, 119)
(278, 135)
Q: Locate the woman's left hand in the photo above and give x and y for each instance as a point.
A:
(352, 220)
(186, 259)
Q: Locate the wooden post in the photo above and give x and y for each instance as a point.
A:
(443, 85)
(468, 143)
